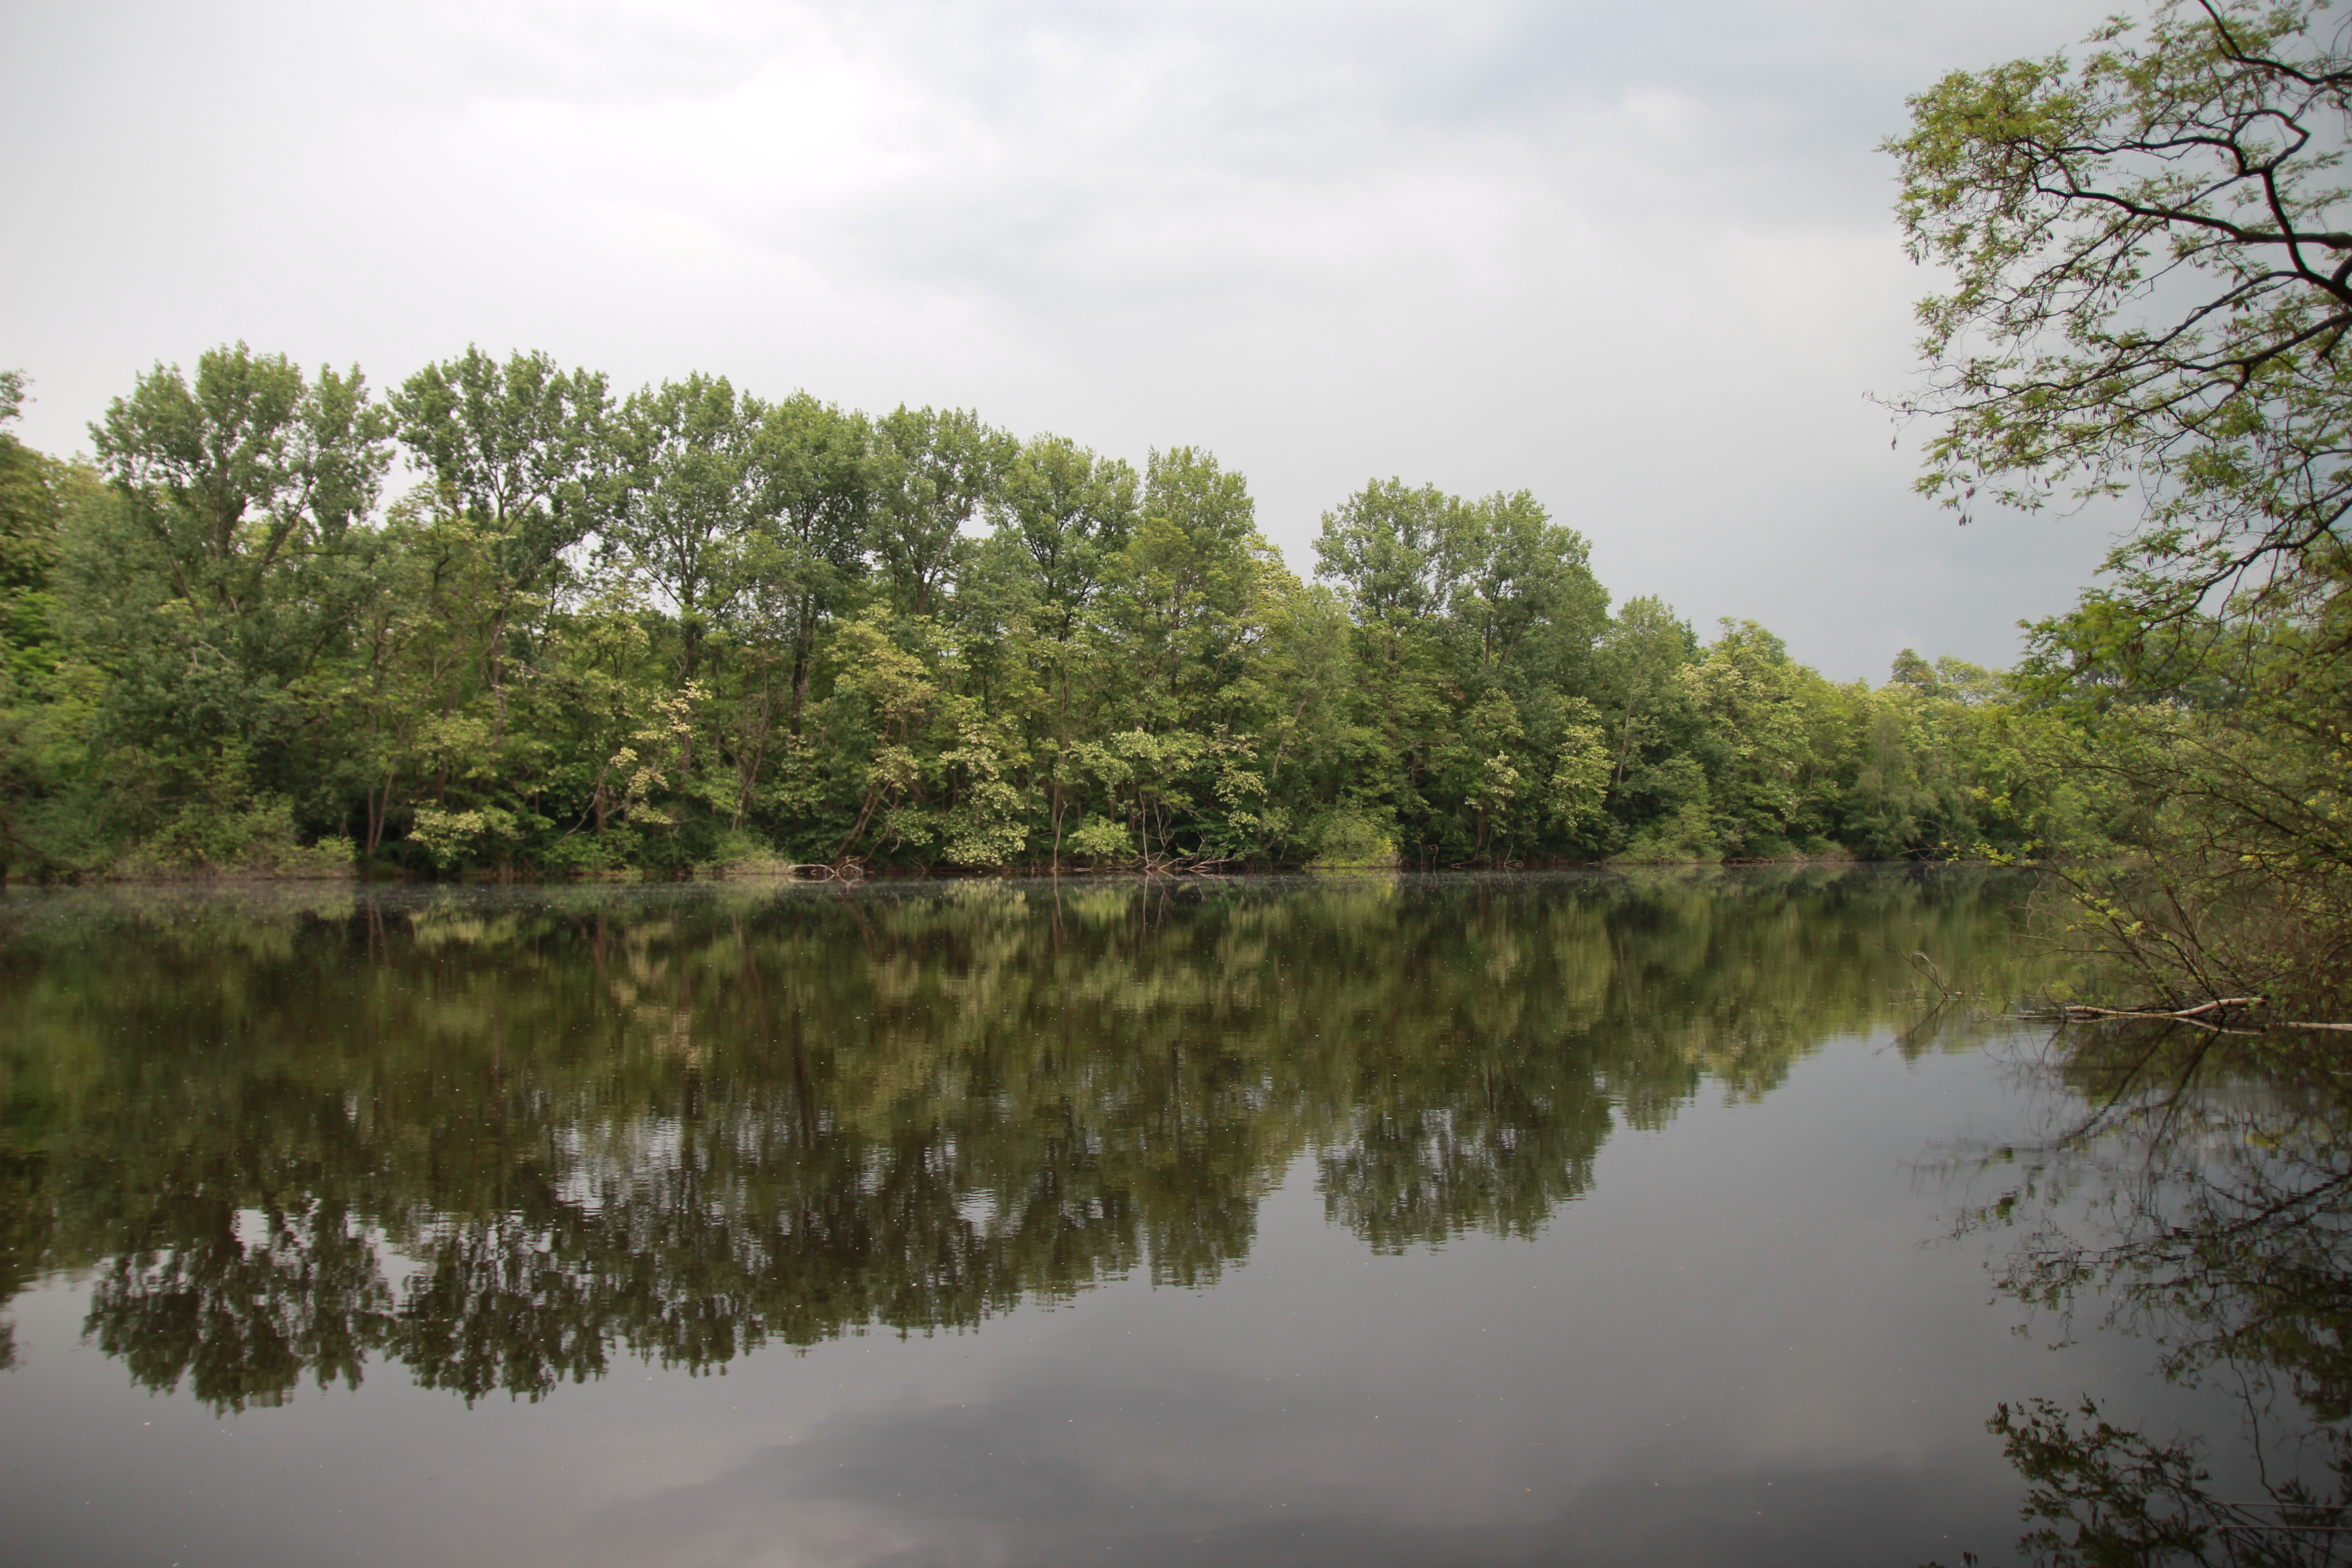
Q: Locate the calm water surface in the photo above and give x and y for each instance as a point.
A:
(1489, 1220)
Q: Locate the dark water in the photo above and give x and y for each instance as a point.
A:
(1609, 1220)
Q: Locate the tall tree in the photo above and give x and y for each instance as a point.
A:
(1641, 691)
(935, 471)
(244, 469)
(224, 566)
(517, 449)
(34, 492)
(516, 445)
(1528, 591)
(1395, 552)
(32, 506)
(682, 499)
(811, 476)
(2151, 252)
(1185, 585)
(1070, 513)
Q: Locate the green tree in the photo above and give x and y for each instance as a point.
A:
(519, 449)
(218, 580)
(33, 489)
(2151, 274)
(518, 446)
(1776, 740)
(1528, 594)
(37, 715)
(681, 500)
(1069, 514)
(1397, 553)
(1397, 556)
(1184, 590)
(243, 471)
(811, 468)
(935, 472)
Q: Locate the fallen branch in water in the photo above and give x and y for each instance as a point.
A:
(1935, 972)
(2076, 1013)
(2222, 1004)
(848, 869)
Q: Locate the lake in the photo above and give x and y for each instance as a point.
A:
(1643, 1218)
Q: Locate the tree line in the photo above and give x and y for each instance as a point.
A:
(692, 627)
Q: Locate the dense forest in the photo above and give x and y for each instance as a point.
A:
(503, 619)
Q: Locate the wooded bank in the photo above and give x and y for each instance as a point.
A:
(502, 619)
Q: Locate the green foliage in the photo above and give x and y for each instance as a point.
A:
(695, 628)
(1349, 840)
(2147, 296)
(236, 839)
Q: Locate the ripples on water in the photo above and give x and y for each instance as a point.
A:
(1494, 1219)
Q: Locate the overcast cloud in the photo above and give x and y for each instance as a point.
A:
(1638, 260)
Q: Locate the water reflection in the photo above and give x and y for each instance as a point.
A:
(2194, 1190)
(502, 1139)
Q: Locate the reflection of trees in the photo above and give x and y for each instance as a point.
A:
(241, 1320)
(499, 1140)
(2203, 1200)
(2099, 1494)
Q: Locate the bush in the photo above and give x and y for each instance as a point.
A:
(1100, 841)
(1686, 835)
(1350, 840)
(259, 840)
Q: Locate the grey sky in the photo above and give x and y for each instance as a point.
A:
(1636, 258)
